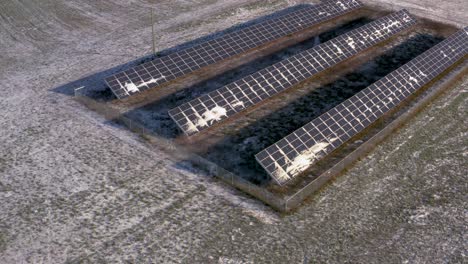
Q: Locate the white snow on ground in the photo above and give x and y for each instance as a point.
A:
(77, 188)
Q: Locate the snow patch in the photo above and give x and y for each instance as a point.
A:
(387, 28)
(406, 18)
(238, 103)
(364, 35)
(305, 159)
(342, 5)
(351, 42)
(340, 51)
(191, 127)
(214, 114)
(206, 119)
(131, 87)
(412, 79)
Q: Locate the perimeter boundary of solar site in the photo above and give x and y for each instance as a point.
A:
(437, 86)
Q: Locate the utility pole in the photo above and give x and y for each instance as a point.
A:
(152, 32)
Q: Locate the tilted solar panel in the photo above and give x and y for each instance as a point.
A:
(296, 152)
(211, 108)
(161, 70)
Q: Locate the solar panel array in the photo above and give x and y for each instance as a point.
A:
(161, 70)
(298, 151)
(211, 108)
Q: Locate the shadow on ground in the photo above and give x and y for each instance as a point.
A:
(236, 152)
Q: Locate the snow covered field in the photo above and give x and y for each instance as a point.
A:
(74, 188)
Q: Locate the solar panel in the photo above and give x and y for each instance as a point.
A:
(296, 152)
(211, 108)
(161, 70)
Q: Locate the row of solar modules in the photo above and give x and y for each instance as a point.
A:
(167, 68)
(214, 107)
(295, 153)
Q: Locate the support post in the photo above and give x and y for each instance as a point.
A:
(152, 32)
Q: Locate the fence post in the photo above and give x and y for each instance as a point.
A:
(152, 33)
